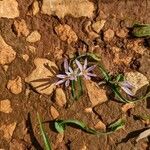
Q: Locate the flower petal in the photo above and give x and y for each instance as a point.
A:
(67, 83)
(128, 91)
(87, 77)
(85, 64)
(91, 68)
(62, 76)
(127, 84)
(91, 74)
(70, 69)
(59, 82)
(79, 65)
(66, 66)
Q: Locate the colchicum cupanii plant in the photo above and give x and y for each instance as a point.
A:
(77, 72)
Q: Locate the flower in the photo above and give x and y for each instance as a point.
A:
(127, 87)
(69, 75)
(84, 70)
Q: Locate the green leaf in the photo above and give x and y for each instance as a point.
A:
(61, 124)
(45, 138)
(90, 55)
(116, 125)
(142, 30)
(104, 72)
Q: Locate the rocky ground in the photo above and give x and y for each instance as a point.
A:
(35, 37)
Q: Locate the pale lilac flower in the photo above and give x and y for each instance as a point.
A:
(127, 87)
(69, 75)
(85, 70)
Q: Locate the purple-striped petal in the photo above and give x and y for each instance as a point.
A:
(91, 68)
(67, 83)
(87, 77)
(59, 82)
(62, 76)
(85, 64)
(128, 91)
(127, 84)
(66, 66)
(70, 69)
(79, 65)
(91, 74)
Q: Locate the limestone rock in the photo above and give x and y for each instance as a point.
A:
(54, 112)
(97, 26)
(15, 86)
(100, 125)
(109, 35)
(21, 27)
(9, 9)
(66, 33)
(7, 54)
(35, 7)
(34, 37)
(96, 94)
(76, 8)
(138, 80)
(60, 97)
(8, 130)
(25, 57)
(42, 78)
(5, 106)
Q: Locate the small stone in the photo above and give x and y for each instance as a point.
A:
(5, 106)
(54, 112)
(109, 35)
(15, 86)
(8, 130)
(88, 110)
(21, 27)
(5, 67)
(9, 9)
(60, 97)
(66, 33)
(138, 80)
(58, 53)
(84, 147)
(34, 37)
(127, 106)
(25, 57)
(36, 8)
(42, 78)
(32, 49)
(7, 54)
(97, 26)
(100, 126)
(122, 33)
(95, 93)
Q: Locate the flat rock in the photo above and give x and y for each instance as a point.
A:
(34, 37)
(66, 33)
(138, 80)
(5, 106)
(96, 94)
(77, 8)
(7, 54)
(9, 9)
(8, 130)
(35, 7)
(60, 97)
(42, 78)
(15, 86)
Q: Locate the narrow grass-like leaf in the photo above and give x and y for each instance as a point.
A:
(141, 30)
(61, 124)
(144, 134)
(45, 138)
